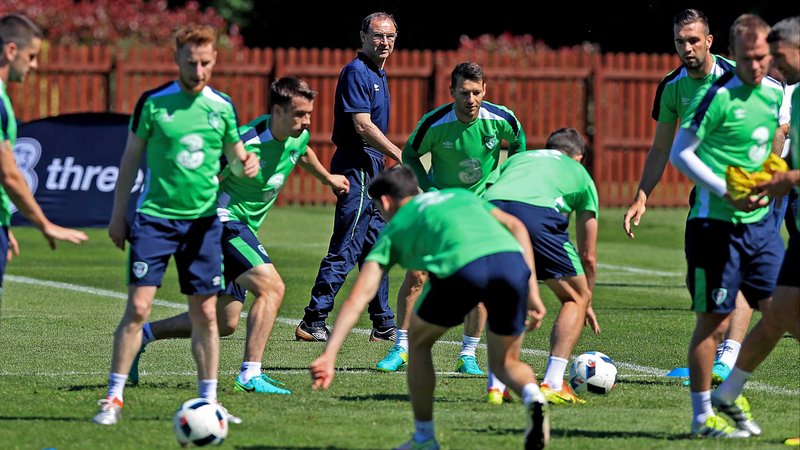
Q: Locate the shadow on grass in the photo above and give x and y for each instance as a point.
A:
(559, 433)
(289, 447)
(84, 419)
(148, 385)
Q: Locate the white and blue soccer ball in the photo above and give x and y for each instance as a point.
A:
(593, 372)
(200, 422)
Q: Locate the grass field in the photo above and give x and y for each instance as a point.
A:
(59, 311)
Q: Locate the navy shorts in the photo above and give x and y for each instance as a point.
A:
(790, 269)
(3, 252)
(724, 258)
(241, 251)
(500, 281)
(554, 255)
(195, 244)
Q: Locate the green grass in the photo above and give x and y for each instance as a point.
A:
(60, 309)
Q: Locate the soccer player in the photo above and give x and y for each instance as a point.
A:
(473, 253)
(463, 138)
(360, 123)
(731, 245)
(672, 105)
(280, 140)
(782, 314)
(542, 188)
(186, 127)
(20, 44)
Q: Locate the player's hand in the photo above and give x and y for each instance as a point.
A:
(780, 185)
(13, 246)
(536, 312)
(591, 320)
(747, 203)
(53, 233)
(322, 372)
(633, 214)
(118, 232)
(251, 164)
(340, 185)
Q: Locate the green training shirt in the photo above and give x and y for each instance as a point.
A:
(8, 132)
(462, 154)
(675, 93)
(441, 232)
(249, 199)
(546, 178)
(185, 134)
(735, 123)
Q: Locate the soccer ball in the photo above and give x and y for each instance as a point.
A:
(592, 372)
(200, 422)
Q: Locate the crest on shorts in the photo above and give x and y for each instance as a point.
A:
(719, 295)
(216, 281)
(139, 269)
(262, 250)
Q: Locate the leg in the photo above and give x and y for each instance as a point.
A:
(504, 361)
(267, 286)
(380, 313)
(127, 340)
(421, 376)
(474, 324)
(728, 351)
(205, 341)
(128, 336)
(778, 315)
(707, 334)
(407, 297)
(343, 250)
(574, 294)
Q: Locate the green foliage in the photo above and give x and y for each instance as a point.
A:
(55, 342)
(122, 23)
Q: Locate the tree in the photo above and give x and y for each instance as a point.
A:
(116, 23)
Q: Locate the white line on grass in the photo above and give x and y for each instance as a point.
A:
(653, 371)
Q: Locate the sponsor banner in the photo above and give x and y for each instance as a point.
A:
(71, 163)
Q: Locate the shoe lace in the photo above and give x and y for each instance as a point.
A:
(266, 378)
(109, 404)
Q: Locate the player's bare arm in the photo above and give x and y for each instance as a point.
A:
(14, 183)
(243, 164)
(339, 184)
(367, 130)
(128, 168)
(364, 289)
(653, 170)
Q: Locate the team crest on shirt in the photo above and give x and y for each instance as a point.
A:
(719, 295)
(490, 142)
(294, 155)
(758, 151)
(139, 269)
(274, 185)
(215, 120)
(192, 155)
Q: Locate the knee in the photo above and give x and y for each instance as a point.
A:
(228, 326)
(138, 311)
